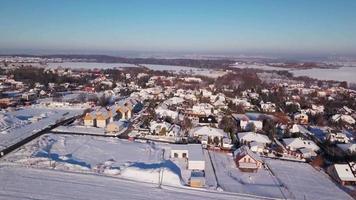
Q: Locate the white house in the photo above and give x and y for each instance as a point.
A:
(246, 123)
(268, 107)
(164, 112)
(210, 135)
(294, 144)
(192, 152)
(248, 137)
(203, 109)
(337, 137)
(343, 173)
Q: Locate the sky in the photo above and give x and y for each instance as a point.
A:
(195, 26)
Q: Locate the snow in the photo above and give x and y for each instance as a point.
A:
(37, 119)
(28, 183)
(99, 155)
(304, 182)
(231, 179)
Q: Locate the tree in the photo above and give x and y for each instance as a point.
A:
(104, 100)
(163, 131)
(228, 124)
(186, 124)
(216, 141)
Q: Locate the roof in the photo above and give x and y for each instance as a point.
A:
(344, 172)
(209, 131)
(195, 151)
(297, 143)
(244, 150)
(252, 136)
(209, 119)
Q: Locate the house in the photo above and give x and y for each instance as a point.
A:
(337, 137)
(248, 122)
(197, 179)
(164, 112)
(246, 160)
(115, 127)
(191, 152)
(89, 119)
(207, 120)
(295, 144)
(345, 174)
(159, 128)
(257, 147)
(249, 137)
(209, 135)
(301, 118)
(348, 148)
(203, 109)
(102, 119)
(344, 118)
(268, 107)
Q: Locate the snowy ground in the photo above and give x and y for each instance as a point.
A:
(107, 156)
(29, 183)
(231, 179)
(305, 182)
(33, 120)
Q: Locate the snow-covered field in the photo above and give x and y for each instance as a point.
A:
(231, 179)
(99, 155)
(25, 122)
(29, 183)
(305, 182)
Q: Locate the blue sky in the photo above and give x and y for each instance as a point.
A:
(221, 26)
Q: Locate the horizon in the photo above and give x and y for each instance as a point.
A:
(281, 28)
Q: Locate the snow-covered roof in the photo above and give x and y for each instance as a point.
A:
(195, 151)
(209, 131)
(244, 150)
(298, 143)
(344, 172)
(252, 136)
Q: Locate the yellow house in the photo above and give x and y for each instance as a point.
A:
(89, 120)
(114, 127)
(102, 120)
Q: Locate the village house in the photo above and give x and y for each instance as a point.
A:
(209, 136)
(248, 123)
(307, 148)
(159, 128)
(192, 152)
(203, 109)
(89, 119)
(246, 160)
(248, 137)
(115, 127)
(268, 107)
(301, 118)
(337, 137)
(345, 174)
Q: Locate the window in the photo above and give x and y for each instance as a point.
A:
(176, 155)
(184, 155)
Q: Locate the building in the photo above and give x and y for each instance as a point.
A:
(294, 144)
(249, 137)
(115, 127)
(248, 122)
(89, 119)
(246, 160)
(192, 152)
(345, 174)
(301, 118)
(209, 136)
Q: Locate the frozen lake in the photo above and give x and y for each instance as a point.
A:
(338, 74)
